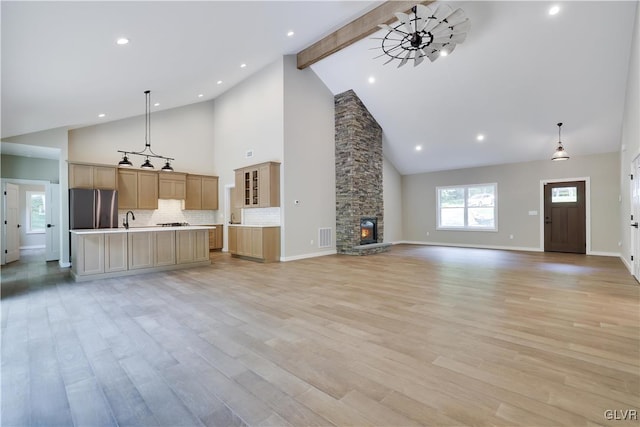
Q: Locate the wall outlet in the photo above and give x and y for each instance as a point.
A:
(511, 236)
(311, 242)
(248, 154)
(619, 243)
(533, 213)
(427, 233)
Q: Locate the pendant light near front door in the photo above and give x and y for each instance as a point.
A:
(560, 153)
(147, 152)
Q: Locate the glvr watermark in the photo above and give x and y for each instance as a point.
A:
(621, 414)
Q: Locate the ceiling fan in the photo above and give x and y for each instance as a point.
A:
(426, 31)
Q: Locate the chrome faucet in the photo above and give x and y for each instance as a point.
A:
(126, 219)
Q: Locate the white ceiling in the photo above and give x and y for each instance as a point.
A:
(519, 72)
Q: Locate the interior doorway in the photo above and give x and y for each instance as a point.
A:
(634, 245)
(565, 217)
(30, 220)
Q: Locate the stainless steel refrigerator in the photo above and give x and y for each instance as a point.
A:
(93, 208)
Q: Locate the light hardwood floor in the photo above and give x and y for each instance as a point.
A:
(415, 336)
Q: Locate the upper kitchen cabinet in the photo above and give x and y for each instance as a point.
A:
(258, 186)
(82, 175)
(202, 192)
(172, 185)
(137, 189)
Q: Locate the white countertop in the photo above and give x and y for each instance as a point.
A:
(140, 229)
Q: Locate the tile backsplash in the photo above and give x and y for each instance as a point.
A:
(261, 216)
(168, 211)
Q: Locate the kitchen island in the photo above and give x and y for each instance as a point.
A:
(113, 252)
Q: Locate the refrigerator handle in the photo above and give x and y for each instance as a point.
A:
(96, 209)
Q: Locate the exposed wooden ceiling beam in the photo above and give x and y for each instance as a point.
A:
(356, 30)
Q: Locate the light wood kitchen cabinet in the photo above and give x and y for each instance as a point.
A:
(105, 177)
(115, 252)
(137, 189)
(141, 250)
(172, 185)
(127, 189)
(164, 243)
(202, 192)
(147, 190)
(232, 239)
(258, 186)
(244, 241)
(215, 238)
(192, 246)
(261, 243)
(236, 200)
(87, 254)
(92, 176)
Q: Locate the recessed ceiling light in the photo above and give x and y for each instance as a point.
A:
(444, 53)
(101, 115)
(243, 65)
(200, 95)
(156, 104)
(554, 10)
(219, 82)
(122, 41)
(418, 147)
(372, 79)
(290, 34)
(480, 137)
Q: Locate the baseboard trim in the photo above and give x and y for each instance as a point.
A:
(600, 253)
(626, 264)
(465, 245)
(305, 256)
(33, 247)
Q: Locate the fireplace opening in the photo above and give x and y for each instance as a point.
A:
(368, 230)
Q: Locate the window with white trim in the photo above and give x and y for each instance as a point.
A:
(468, 207)
(36, 217)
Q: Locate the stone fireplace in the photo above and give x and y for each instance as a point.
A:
(359, 200)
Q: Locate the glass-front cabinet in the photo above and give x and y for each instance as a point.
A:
(259, 184)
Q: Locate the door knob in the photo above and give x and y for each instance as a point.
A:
(50, 225)
(635, 224)
(18, 225)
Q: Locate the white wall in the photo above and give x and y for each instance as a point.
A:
(309, 162)
(518, 193)
(19, 167)
(184, 133)
(55, 138)
(630, 143)
(249, 116)
(392, 193)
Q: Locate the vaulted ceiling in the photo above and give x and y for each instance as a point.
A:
(519, 72)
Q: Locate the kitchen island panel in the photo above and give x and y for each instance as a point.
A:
(141, 250)
(115, 252)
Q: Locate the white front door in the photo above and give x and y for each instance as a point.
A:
(12, 224)
(52, 208)
(635, 217)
